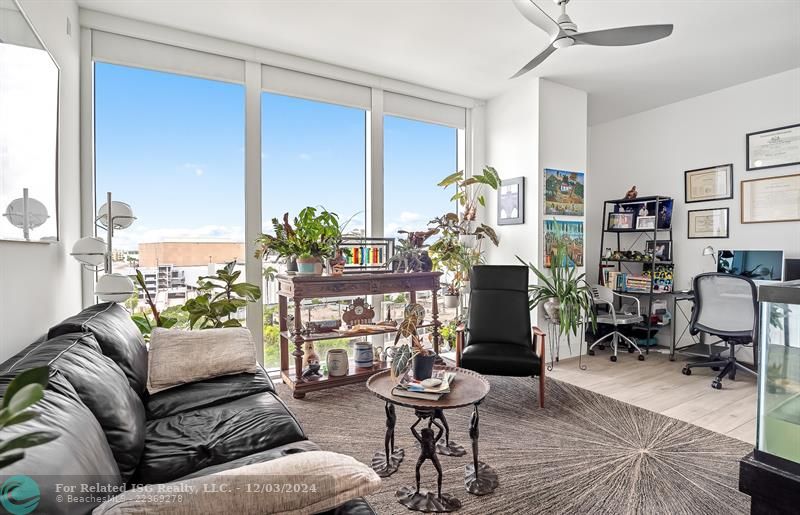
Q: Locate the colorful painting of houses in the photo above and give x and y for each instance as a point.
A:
(571, 234)
(563, 193)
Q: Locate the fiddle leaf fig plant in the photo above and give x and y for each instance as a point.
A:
(22, 392)
(220, 297)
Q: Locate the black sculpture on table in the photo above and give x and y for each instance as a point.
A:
(447, 447)
(479, 478)
(423, 500)
(386, 463)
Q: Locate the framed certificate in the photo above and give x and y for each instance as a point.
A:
(773, 147)
(704, 184)
(708, 223)
(771, 199)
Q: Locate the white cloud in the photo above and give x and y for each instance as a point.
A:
(195, 168)
(409, 216)
(198, 172)
(304, 157)
(131, 237)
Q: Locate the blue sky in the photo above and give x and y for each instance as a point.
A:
(173, 147)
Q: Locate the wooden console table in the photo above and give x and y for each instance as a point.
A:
(299, 287)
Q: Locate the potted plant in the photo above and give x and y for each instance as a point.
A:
(564, 293)
(219, 297)
(469, 193)
(454, 257)
(282, 245)
(413, 354)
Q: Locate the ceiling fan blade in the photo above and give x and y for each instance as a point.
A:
(536, 15)
(623, 36)
(539, 59)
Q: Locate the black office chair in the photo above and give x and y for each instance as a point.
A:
(497, 339)
(725, 306)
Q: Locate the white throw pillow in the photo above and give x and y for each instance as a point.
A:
(297, 484)
(178, 357)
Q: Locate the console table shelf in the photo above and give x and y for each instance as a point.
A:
(300, 287)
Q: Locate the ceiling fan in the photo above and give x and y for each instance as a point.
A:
(564, 32)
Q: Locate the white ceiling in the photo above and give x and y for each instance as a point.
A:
(471, 47)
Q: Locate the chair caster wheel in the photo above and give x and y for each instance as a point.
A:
(641, 357)
(630, 350)
(613, 358)
(715, 369)
(687, 371)
(717, 385)
(591, 352)
(601, 347)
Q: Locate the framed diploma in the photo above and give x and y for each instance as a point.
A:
(771, 199)
(708, 223)
(773, 147)
(703, 184)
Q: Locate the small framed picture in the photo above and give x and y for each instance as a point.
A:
(773, 147)
(704, 184)
(511, 202)
(708, 223)
(620, 221)
(663, 249)
(645, 222)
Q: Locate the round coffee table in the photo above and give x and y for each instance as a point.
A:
(468, 388)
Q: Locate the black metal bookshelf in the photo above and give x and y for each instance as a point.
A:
(655, 232)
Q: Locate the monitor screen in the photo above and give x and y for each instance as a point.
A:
(758, 265)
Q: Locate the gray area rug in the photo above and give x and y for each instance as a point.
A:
(583, 453)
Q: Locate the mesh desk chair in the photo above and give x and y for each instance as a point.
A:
(603, 296)
(724, 306)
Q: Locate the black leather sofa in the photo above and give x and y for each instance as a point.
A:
(114, 434)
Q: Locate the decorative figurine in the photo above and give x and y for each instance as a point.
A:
(312, 362)
(425, 262)
(337, 264)
(386, 463)
(632, 193)
(427, 451)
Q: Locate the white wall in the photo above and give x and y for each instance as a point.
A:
(652, 150)
(40, 284)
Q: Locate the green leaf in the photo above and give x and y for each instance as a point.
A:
(38, 375)
(451, 179)
(251, 292)
(8, 459)
(167, 322)
(19, 418)
(28, 440)
(25, 397)
(482, 201)
(232, 323)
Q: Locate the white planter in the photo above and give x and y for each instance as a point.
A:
(451, 301)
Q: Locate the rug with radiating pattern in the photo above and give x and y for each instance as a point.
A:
(583, 453)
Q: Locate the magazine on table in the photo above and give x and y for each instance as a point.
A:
(410, 387)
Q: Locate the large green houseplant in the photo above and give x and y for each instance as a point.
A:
(220, 296)
(564, 292)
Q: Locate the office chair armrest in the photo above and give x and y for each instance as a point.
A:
(461, 331)
(538, 334)
(638, 303)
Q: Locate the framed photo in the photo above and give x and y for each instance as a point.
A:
(663, 249)
(773, 147)
(563, 192)
(511, 202)
(708, 223)
(571, 234)
(704, 184)
(771, 199)
(645, 222)
(620, 221)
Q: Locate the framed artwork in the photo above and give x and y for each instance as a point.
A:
(771, 199)
(773, 147)
(645, 222)
(708, 223)
(571, 233)
(704, 184)
(511, 202)
(620, 221)
(563, 192)
(663, 249)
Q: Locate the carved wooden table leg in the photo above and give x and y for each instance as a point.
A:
(479, 478)
(387, 462)
(297, 338)
(423, 500)
(445, 446)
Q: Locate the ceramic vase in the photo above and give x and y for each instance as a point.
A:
(363, 354)
(451, 301)
(338, 364)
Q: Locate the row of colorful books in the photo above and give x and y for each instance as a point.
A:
(622, 281)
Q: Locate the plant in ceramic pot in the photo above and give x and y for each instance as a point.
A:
(453, 257)
(411, 354)
(469, 194)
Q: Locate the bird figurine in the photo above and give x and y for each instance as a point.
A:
(632, 193)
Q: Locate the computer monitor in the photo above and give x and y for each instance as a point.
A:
(791, 269)
(758, 265)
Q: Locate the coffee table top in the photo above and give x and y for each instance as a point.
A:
(467, 388)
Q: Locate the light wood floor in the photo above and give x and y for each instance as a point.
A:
(657, 384)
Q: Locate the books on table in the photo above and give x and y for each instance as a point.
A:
(411, 388)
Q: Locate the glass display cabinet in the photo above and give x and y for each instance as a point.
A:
(771, 473)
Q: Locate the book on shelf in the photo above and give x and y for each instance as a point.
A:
(414, 389)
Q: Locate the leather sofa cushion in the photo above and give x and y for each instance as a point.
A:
(105, 390)
(500, 359)
(79, 455)
(207, 393)
(183, 443)
(257, 457)
(117, 335)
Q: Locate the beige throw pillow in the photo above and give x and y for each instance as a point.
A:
(297, 484)
(178, 357)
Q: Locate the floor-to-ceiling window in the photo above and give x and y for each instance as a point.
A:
(171, 146)
(313, 154)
